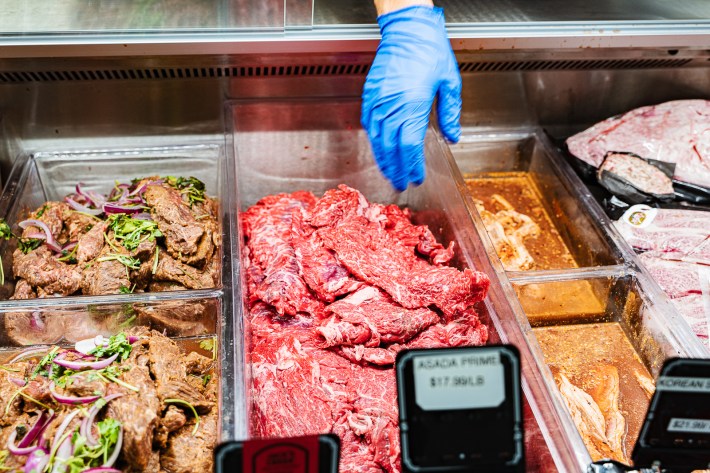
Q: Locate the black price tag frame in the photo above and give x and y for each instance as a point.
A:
(676, 451)
(461, 440)
(229, 456)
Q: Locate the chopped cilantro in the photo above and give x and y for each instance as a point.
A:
(84, 456)
(28, 244)
(206, 379)
(126, 290)
(210, 345)
(69, 256)
(191, 187)
(40, 212)
(5, 232)
(47, 359)
(116, 344)
(3, 458)
(131, 232)
(127, 261)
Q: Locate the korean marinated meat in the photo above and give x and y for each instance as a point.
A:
(603, 382)
(336, 287)
(135, 402)
(517, 223)
(674, 132)
(153, 234)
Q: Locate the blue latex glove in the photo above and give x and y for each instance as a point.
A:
(414, 63)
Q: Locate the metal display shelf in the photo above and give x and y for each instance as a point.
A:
(162, 27)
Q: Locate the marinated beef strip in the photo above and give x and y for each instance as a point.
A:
(169, 269)
(188, 453)
(336, 287)
(78, 224)
(40, 268)
(186, 238)
(23, 291)
(105, 276)
(91, 243)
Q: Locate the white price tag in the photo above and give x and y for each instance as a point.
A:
(466, 381)
(701, 426)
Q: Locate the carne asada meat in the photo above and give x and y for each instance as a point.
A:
(153, 230)
(40, 268)
(336, 287)
(112, 397)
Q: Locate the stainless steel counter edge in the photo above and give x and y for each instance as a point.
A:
(464, 37)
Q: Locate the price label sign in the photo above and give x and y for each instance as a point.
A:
(310, 454)
(460, 409)
(676, 431)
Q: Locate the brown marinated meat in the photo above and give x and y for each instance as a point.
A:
(172, 420)
(77, 224)
(40, 268)
(23, 290)
(105, 277)
(145, 250)
(91, 243)
(163, 286)
(169, 371)
(52, 214)
(188, 453)
(180, 318)
(174, 218)
(140, 278)
(172, 270)
(197, 364)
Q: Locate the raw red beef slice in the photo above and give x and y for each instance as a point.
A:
(675, 132)
(370, 317)
(267, 226)
(377, 257)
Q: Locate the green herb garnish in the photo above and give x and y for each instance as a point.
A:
(126, 290)
(131, 232)
(40, 212)
(127, 261)
(3, 458)
(210, 344)
(28, 244)
(206, 379)
(5, 232)
(46, 359)
(69, 256)
(116, 344)
(191, 187)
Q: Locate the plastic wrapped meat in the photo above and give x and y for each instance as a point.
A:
(675, 132)
(635, 179)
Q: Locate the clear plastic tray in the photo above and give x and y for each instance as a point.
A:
(44, 176)
(522, 155)
(622, 297)
(284, 146)
(183, 315)
(187, 320)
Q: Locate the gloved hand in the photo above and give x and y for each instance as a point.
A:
(414, 63)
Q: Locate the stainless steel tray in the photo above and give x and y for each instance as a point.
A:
(284, 146)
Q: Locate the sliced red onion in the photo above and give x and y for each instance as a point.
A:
(95, 199)
(133, 339)
(82, 208)
(142, 216)
(64, 452)
(138, 190)
(87, 345)
(18, 381)
(115, 208)
(34, 430)
(40, 437)
(27, 353)
(16, 449)
(37, 461)
(70, 246)
(49, 238)
(102, 469)
(37, 236)
(88, 423)
(116, 450)
(50, 370)
(72, 400)
(93, 365)
(63, 426)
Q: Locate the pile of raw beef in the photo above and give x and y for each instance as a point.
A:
(676, 251)
(336, 287)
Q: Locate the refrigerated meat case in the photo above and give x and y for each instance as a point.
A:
(107, 81)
